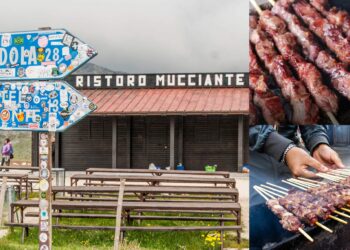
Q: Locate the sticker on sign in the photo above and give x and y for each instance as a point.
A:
(41, 55)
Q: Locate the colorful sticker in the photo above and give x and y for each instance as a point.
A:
(43, 185)
(44, 215)
(40, 55)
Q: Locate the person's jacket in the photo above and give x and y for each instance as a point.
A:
(6, 149)
(266, 139)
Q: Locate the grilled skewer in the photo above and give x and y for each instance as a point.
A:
(339, 75)
(334, 15)
(329, 33)
(305, 213)
(307, 72)
(288, 221)
(304, 109)
(269, 103)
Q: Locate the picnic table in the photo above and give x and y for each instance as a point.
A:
(144, 192)
(29, 168)
(156, 172)
(151, 180)
(183, 207)
(21, 180)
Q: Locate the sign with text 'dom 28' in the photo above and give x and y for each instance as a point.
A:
(41, 106)
(41, 54)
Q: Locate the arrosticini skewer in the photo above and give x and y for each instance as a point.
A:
(288, 220)
(334, 15)
(319, 204)
(332, 193)
(304, 110)
(304, 212)
(287, 45)
(312, 49)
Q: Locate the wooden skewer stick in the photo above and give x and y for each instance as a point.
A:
(324, 227)
(256, 6)
(272, 2)
(298, 183)
(285, 189)
(342, 214)
(305, 183)
(345, 209)
(305, 234)
(337, 219)
(272, 193)
(339, 174)
(261, 193)
(274, 189)
(309, 180)
(332, 118)
(327, 177)
(294, 185)
(335, 176)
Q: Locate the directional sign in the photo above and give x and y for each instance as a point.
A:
(41, 55)
(41, 106)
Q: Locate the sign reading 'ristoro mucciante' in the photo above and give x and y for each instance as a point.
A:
(41, 55)
(189, 80)
(41, 106)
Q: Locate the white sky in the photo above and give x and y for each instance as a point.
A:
(145, 36)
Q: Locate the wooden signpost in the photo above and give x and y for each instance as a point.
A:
(32, 98)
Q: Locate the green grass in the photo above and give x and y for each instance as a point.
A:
(22, 144)
(75, 239)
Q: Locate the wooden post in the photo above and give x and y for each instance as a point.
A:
(45, 199)
(2, 196)
(114, 142)
(172, 142)
(119, 214)
(57, 151)
(240, 143)
(181, 140)
(128, 142)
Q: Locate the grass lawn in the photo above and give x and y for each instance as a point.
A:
(74, 239)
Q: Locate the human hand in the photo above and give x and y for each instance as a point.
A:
(298, 162)
(327, 156)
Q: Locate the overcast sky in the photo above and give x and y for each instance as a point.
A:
(145, 36)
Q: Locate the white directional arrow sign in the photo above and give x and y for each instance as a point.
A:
(41, 55)
(41, 106)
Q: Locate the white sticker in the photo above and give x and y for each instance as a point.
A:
(43, 237)
(43, 185)
(6, 40)
(43, 204)
(44, 226)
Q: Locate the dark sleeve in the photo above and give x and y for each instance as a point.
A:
(314, 135)
(266, 140)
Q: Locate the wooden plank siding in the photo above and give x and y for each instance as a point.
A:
(206, 140)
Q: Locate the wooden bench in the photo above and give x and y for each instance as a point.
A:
(156, 172)
(151, 180)
(232, 208)
(150, 192)
(28, 168)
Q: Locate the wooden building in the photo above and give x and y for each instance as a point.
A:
(136, 126)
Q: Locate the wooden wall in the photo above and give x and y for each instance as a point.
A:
(142, 140)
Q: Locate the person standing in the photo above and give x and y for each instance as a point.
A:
(6, 152)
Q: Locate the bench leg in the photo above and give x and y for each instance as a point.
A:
(222, 223)
(22, 236)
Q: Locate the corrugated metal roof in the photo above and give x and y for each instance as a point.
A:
(169, 101)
